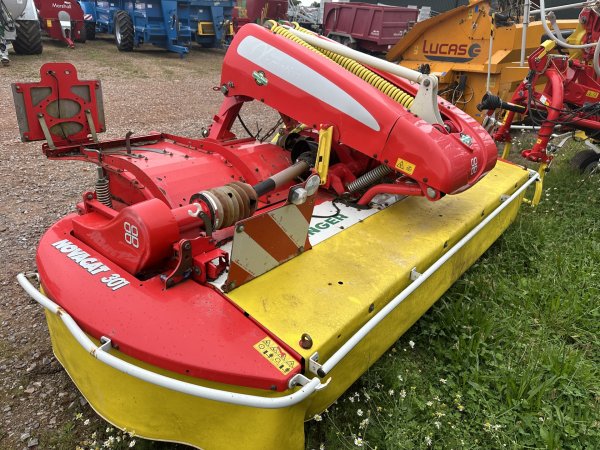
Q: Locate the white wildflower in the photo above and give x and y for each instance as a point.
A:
(358, 442)
(400, 378)
(443, 380)
(364, 423)
(86, 422)
(318, 417)
(78, 416)
(351, 399)
(132, 443)
(391, 392)
(428, 441)
(403, 393)
(437, 424)
(429, 403)
(322, 447)
(359, 412)
(412, 344)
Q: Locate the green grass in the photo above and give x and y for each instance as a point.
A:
(509, 357)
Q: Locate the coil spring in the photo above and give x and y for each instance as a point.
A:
(380, 83)
(368, 178)
(103, 192)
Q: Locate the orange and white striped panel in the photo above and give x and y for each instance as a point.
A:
(264, 241)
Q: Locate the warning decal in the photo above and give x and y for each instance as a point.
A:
(405, 166)
(275, 355)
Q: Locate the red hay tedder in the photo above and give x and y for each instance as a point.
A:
(568, 105)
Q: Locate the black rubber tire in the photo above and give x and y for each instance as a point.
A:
(585, 161)
(124, 32)
(90, 31)
(29, 38)
(81, 39)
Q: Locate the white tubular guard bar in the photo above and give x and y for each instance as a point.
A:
(217, 395)
(309, 386)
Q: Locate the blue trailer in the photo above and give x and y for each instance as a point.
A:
(170, 24)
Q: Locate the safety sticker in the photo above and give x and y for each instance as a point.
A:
(591, 94)
(405, 166)
(275, 355)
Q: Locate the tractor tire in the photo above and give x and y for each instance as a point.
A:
(90, 31)
(586, 161)
(83, 37)
(124, 32)
(29, 38)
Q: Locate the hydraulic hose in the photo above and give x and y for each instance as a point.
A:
(354, 67)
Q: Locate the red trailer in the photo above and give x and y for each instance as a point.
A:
(257, 11)
(62, 20)
(372, 28)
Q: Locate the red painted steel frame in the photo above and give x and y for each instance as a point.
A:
(143, 263)
(59, 83)
(380, 127)
(571, 84)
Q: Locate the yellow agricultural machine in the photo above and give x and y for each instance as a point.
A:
(457, 46)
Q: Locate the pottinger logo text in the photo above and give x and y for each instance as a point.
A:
(450, 52)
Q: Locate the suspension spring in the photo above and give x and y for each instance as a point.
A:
(368, 178)
(103, 189)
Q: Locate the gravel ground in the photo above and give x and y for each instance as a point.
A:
(145, 90)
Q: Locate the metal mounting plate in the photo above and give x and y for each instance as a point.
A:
(60, 108)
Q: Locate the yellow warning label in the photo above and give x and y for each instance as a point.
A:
(405, 166)
(591, 94)
(416, 50)
(275, 355)
(49, 23)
